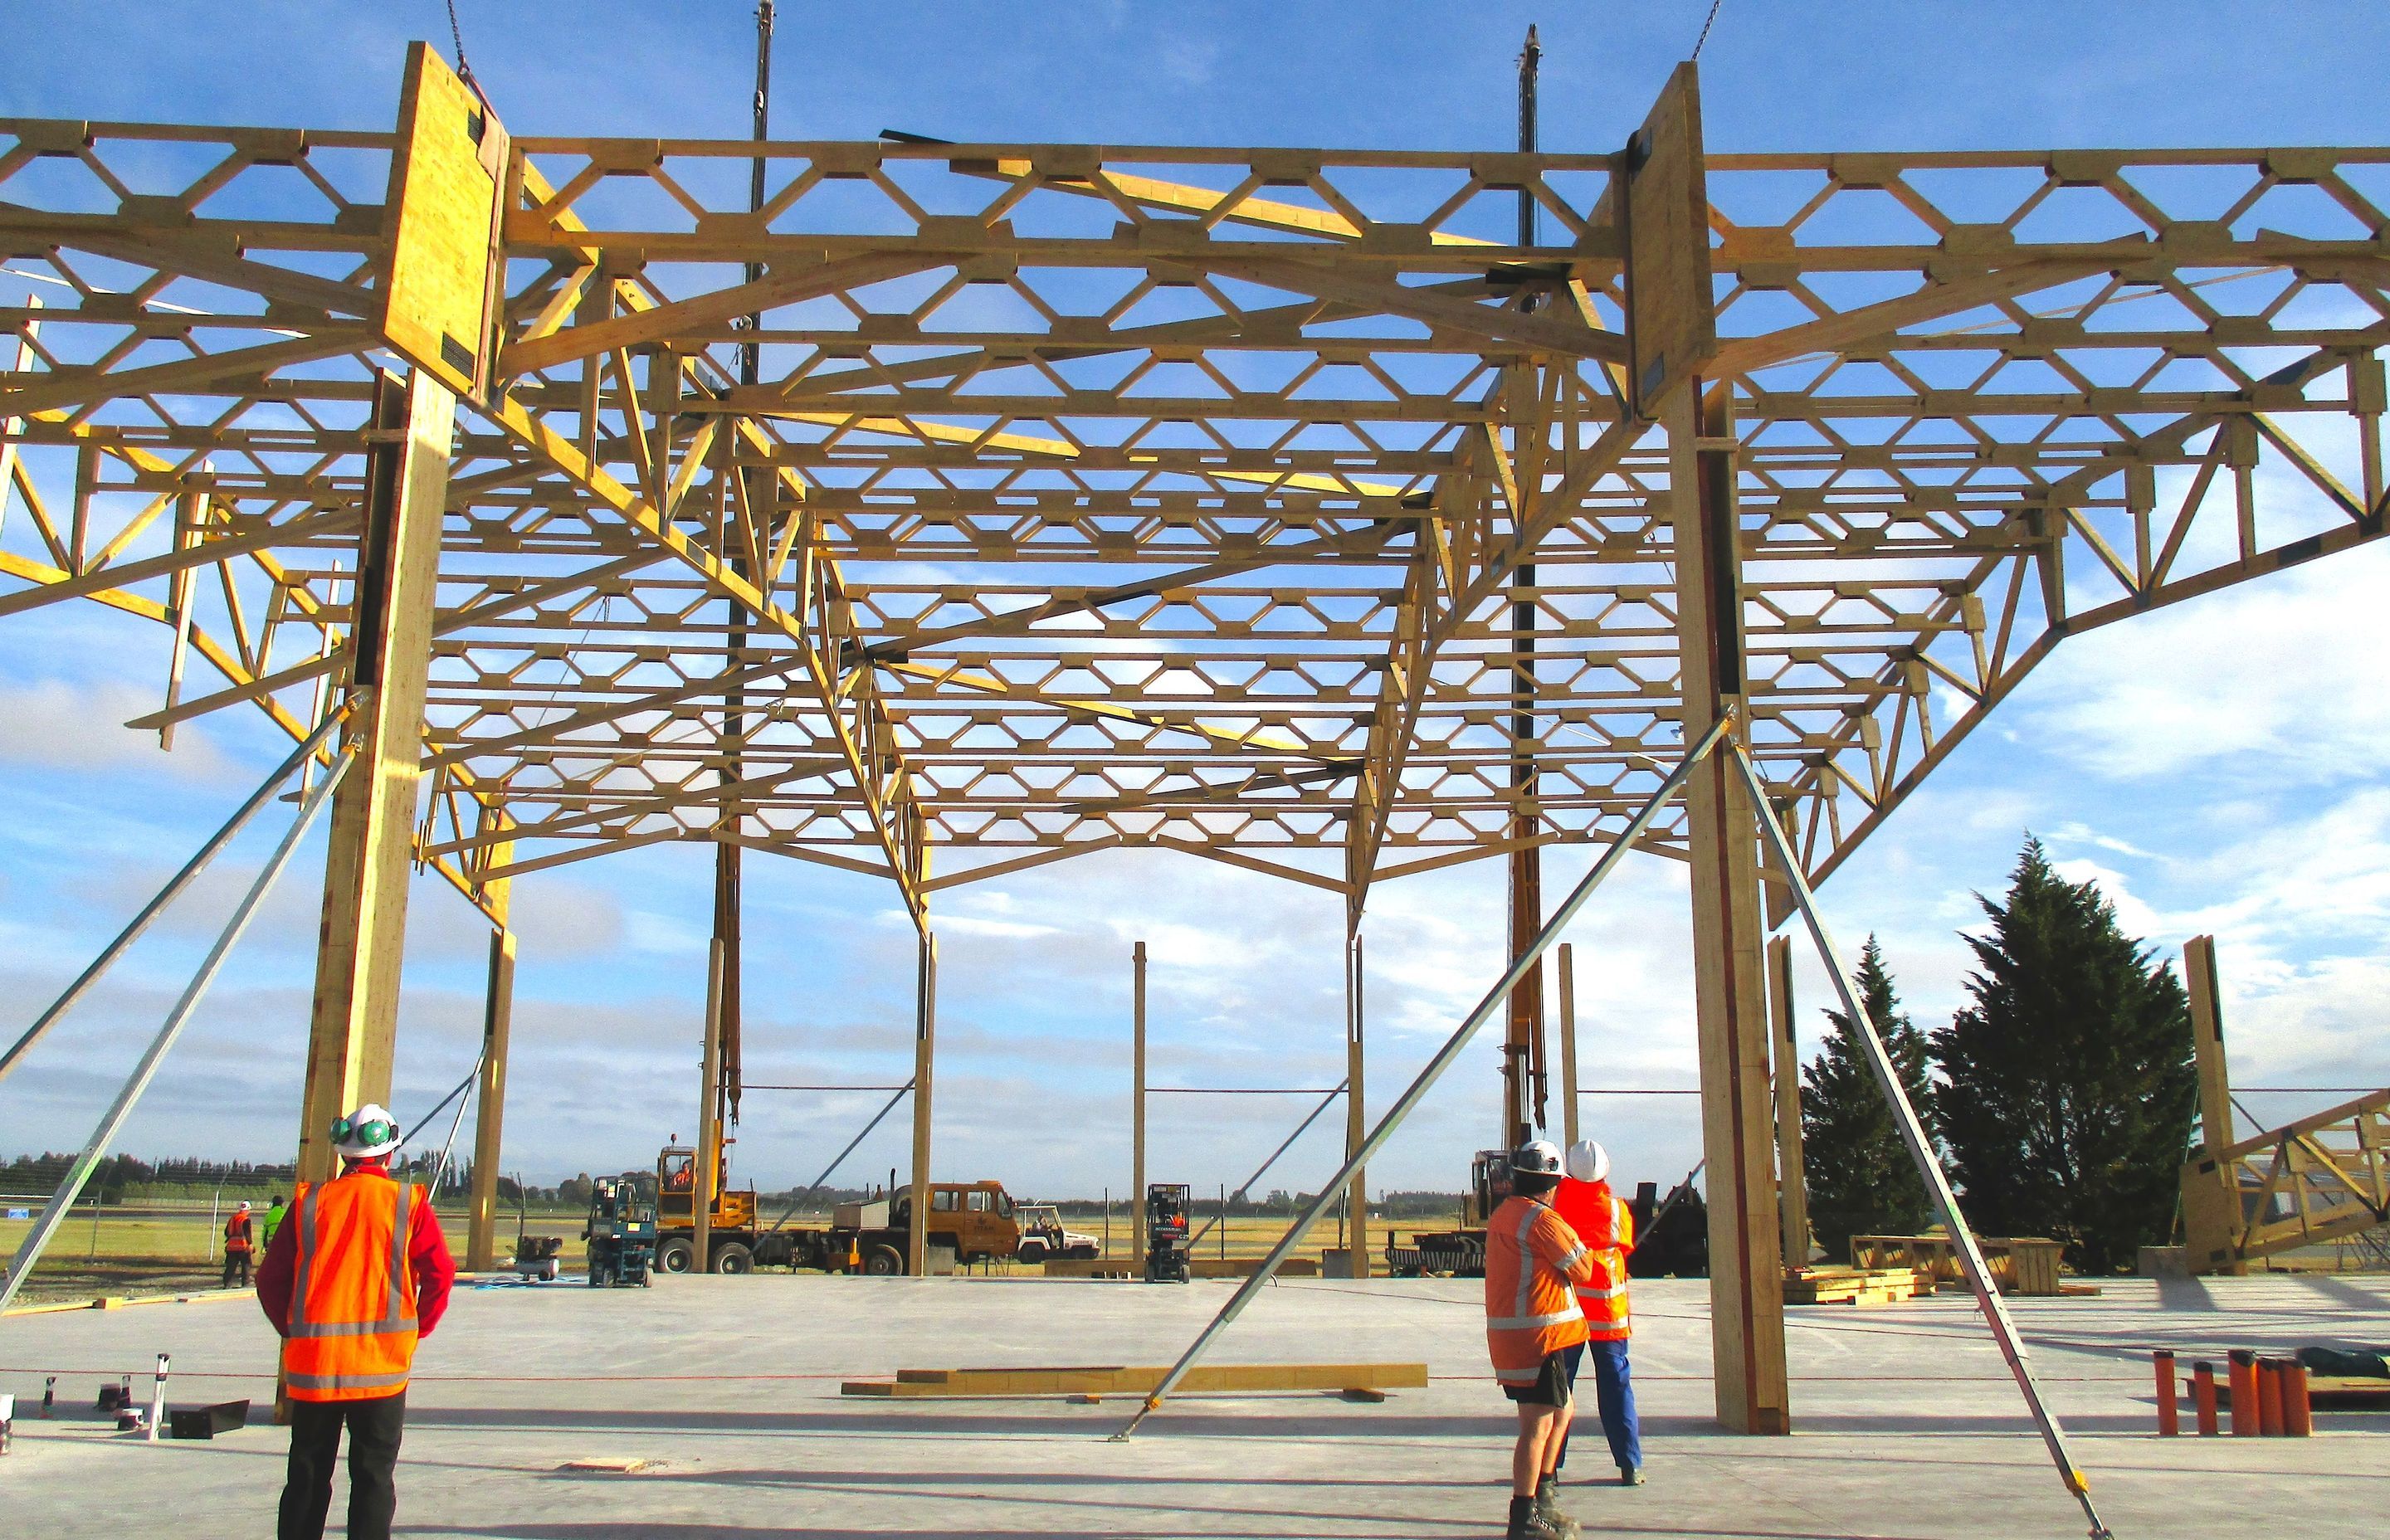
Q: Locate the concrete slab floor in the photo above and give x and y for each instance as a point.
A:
(1908, 1427)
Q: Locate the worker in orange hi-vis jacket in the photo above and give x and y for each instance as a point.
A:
(353, 1284)
(1607, 1230)
(1532, 1322)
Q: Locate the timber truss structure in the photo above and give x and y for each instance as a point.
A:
(1014, 502)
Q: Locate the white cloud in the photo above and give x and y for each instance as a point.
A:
(59, 725)
(2285, 677)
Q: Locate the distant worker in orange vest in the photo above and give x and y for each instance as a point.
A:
(238, 1246)
(1532, 1322)
(360, 1274)
(1607, 1231)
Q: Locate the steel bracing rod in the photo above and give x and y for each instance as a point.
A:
(815, 1186)
(1912, 1134)
(442, 1105)
(112, 1121)
(440, 1172)
(1245, 1187)
(167, 895)
(1333, 1190)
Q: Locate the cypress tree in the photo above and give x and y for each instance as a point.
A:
(1861, 1179)
(2068, 1086)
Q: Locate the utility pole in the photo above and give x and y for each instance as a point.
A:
(1524, 1080)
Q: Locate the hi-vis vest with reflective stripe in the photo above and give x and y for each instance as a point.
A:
(1605, 1301)
(1532, 1257)
(351, 1332)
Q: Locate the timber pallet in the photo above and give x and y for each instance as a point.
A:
(1355, 1381)
(1201, 1268)
(1855, 1285)
(2348, 1392)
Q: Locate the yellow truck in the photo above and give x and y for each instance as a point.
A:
(970, 1222)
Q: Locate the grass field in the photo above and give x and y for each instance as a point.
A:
(173, 1252)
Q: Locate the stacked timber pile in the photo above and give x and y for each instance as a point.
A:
(1855, 1285)
(1354, 1382)
(1201, 1267)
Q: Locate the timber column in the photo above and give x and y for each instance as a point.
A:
(925, 1043)
(489, 1115)
(354, 1021)
(1357, 1126)
(2214, 1216)
(1738, 1132)
(1137, 1113)
(1672, 335)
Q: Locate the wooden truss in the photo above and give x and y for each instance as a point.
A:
(2318, 1179)
(1087, 497)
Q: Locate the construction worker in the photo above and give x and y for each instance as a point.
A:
(1602, 1222)
(238, 1241)
(1532, 1321)
(352, 1286)
(274, 1212)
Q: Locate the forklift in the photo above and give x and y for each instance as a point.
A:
(621, 1232)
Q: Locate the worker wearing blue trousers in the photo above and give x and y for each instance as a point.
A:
(1606, 1228)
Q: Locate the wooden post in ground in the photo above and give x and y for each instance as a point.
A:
(1568, 1044)
(489, 1113)
(2212, 1210)
(705, 1182)
(1136, 1112)
(925, 1038)
(1791, 1169)
(353, 1022)
(1356, 1128)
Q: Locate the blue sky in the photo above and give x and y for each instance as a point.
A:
(2217, 766)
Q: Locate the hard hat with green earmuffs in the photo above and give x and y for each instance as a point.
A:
(366, 1132)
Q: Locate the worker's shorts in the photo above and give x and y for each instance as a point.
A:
(1549, 1388)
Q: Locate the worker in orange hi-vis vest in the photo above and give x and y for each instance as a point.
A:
(1607, 1230)
(239, 1243)
(1532, 1321)
(352, 1282)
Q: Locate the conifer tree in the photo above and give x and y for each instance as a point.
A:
(1861, 1178)
(2067, 1086)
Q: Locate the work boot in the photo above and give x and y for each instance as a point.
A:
(1526, 1524)
(1630, 1475)
(1547, 1509)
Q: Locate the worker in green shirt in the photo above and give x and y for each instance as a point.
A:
(274, 1212)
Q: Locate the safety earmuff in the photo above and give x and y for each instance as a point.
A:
(373, 1130)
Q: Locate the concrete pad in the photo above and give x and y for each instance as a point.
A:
(1908, 1427)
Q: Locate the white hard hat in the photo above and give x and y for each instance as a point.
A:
(369, 1131)
(1537, 1157)
(1588, 1162)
